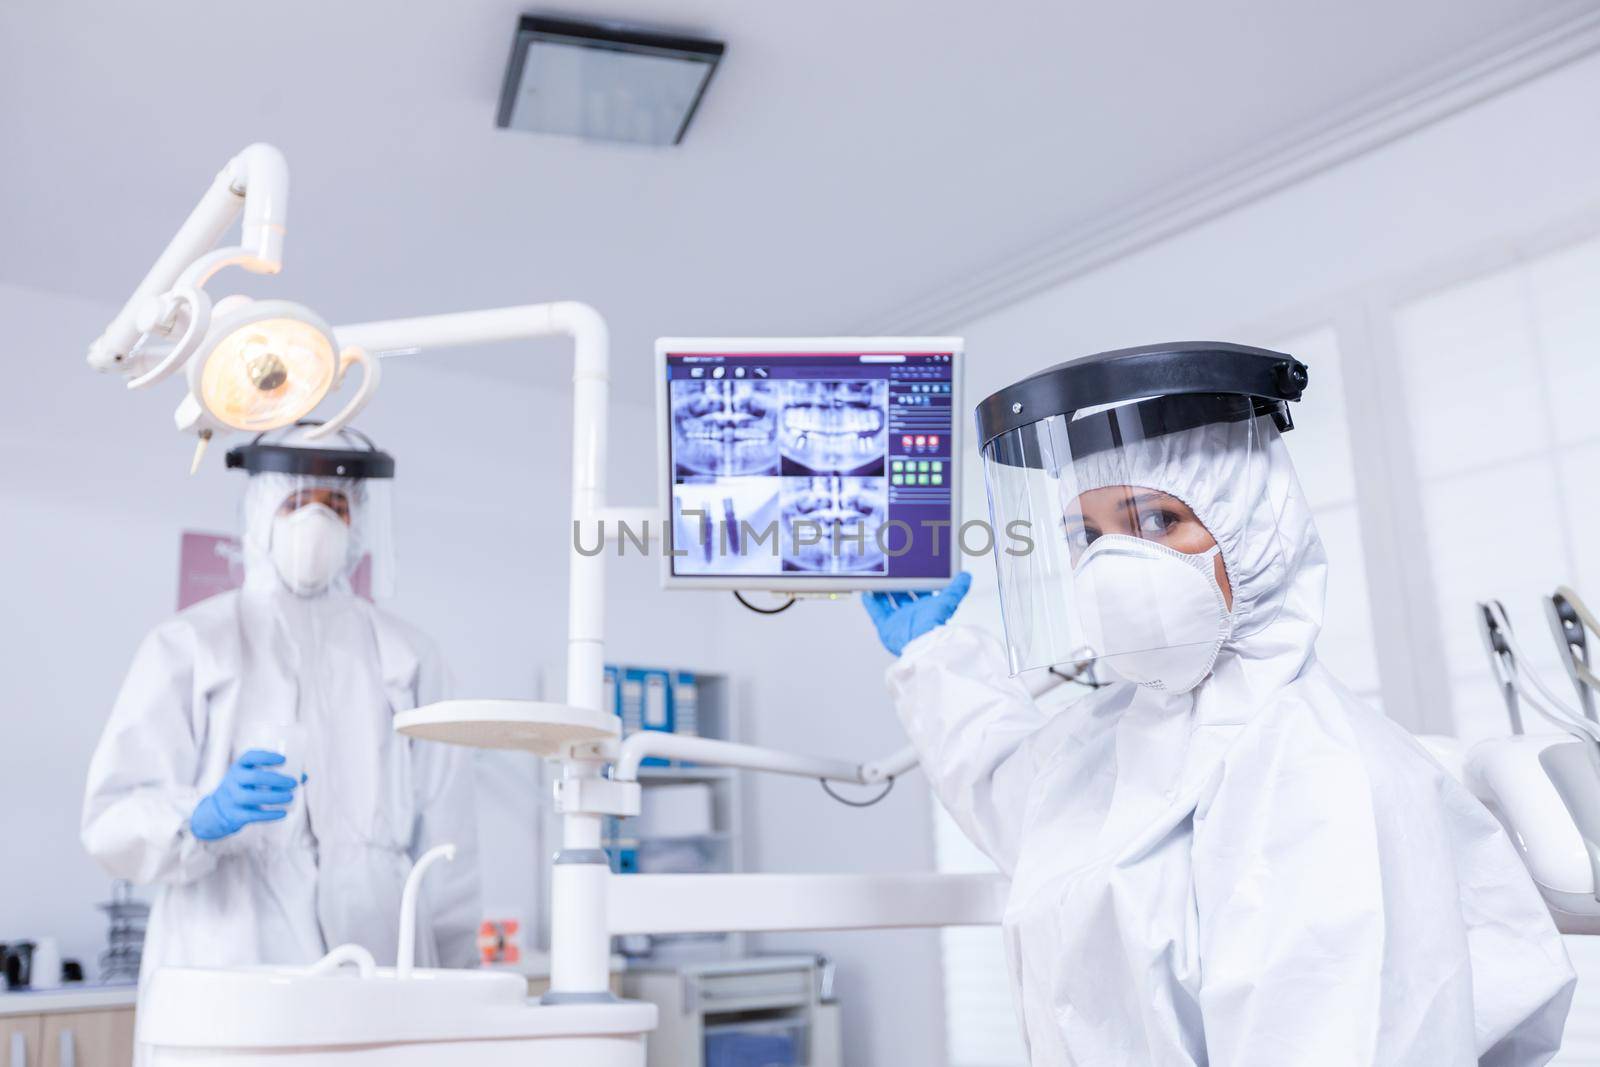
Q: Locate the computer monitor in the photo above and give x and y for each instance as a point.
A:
(807, 465)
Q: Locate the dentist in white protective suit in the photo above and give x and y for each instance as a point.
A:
(1226, 857)
(186, 790)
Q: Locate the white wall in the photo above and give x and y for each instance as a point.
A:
(94, 493)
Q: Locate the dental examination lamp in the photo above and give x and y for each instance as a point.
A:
(256, 365)
(250, 365)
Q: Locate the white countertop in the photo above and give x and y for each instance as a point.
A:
(74, 997)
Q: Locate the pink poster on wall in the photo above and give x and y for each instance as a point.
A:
(209, 564)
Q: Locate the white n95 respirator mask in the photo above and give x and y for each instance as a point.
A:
(309, 547)
(1156, 616)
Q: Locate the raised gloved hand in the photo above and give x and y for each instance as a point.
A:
(903, 617)
(247, 794)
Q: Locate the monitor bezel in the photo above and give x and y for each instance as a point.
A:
(800, 585)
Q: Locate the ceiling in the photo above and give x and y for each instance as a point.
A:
(848, 158)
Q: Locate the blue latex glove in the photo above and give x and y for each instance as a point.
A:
(247, 794)
(903, 617)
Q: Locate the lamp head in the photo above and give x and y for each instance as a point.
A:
(263, 364)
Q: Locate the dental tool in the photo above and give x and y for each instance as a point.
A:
(1570, 623)
(1509, 664)
(1502, 664)
(1574, 770)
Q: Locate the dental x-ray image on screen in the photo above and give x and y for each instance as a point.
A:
(808, 465)
(725, 428)
(830, 427)
(726, 526)
(831, 523)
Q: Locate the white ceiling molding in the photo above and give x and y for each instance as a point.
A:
(1369, 123)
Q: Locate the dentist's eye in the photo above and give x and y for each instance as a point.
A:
(1158, 524)
(1078, 535)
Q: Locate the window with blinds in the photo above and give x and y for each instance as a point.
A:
(1502, 379)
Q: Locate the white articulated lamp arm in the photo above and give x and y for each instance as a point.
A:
(261, 175)
(891, 766)
(256, 182)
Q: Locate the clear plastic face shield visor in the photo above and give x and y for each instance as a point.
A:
(319, 516)
(1117, 526)
(1128, 496)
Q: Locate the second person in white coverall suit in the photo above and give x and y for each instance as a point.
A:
(1227, 858)
(179, 797)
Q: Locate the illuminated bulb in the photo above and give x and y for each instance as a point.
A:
(266, 370)
(265, 365)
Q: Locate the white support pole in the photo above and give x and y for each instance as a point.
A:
(580, 939)
(580, 932)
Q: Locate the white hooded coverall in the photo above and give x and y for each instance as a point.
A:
(1261, 871)
(332, 872)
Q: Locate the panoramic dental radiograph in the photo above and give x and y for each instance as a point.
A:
(831, 524)
(753, 457)
(725, 428)
(835, 427)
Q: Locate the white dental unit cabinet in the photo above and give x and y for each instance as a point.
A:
(779, 1009)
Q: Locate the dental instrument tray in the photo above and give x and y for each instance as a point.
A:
(811, 465)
